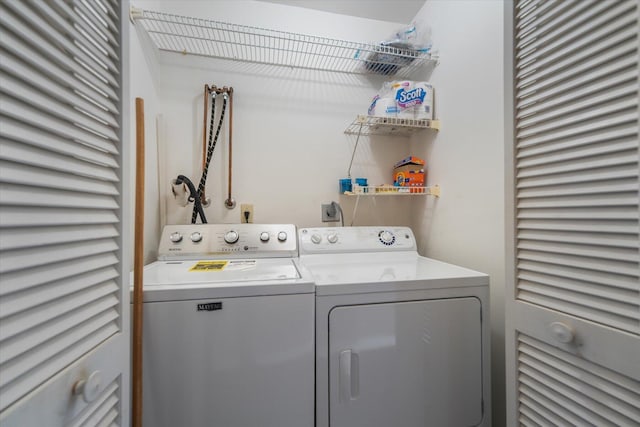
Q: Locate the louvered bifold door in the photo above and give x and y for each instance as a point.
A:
(576, 219)
(61, 287)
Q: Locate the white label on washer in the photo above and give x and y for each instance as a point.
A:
(242, 265)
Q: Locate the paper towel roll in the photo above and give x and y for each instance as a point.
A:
(402, 89)
(401, 84)
(385, 107)
(425, 109)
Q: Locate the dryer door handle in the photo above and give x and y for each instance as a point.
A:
(348, 375)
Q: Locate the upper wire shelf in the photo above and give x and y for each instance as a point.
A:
(372, 125)
(260, 45)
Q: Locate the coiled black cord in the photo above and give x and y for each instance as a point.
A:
(193, 197)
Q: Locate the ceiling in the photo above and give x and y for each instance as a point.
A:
(402, 11)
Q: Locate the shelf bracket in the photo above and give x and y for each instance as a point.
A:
(434, 190)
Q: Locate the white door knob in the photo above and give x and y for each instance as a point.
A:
(561, 332)
(88, 388)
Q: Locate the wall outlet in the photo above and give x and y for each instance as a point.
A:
(246, 214)
(329, 213)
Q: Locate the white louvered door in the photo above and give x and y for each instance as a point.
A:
(573, 301)
(63, 302)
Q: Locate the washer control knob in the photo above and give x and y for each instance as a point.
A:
(316, 238)
(231, 236)
(196, 236)
(386, 237)
(264, 236)
(175, 237)
(332, 238)
(282, 236)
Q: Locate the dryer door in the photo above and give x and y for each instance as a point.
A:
(406, 364)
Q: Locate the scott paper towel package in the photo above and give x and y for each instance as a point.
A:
(403, 94)
(384, 103)
(383, 107)
(424, 110)
(403, 99)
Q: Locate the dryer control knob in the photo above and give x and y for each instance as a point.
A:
(196, 236)
(264, 236)
(231, 236)
(316, 238)
(282, 236)
(175, 237)
(332, 238)
(386, 237)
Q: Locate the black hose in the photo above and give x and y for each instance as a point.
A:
(193, 197)
(211, 145)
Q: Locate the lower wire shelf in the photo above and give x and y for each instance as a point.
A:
(371, 125)
(390, 190)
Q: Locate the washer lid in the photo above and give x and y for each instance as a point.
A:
(384, 272)
(191, 279)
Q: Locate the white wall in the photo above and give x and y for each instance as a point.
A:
(143, 84)
(289, 149)
(465, 225)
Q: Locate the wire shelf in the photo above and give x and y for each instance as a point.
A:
(371, 125)
(260, 45)
(391, 190)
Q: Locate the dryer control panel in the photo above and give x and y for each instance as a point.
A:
(356, 239)
(228, 241)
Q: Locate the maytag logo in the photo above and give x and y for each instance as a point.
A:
(210, 306)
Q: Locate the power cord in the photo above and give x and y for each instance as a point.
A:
(335, 206)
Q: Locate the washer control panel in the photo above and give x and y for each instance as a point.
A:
(196, 241)
(356, 239)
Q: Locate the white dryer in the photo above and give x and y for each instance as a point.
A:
(401, 340)
(228, 329)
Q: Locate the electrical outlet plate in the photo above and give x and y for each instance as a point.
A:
(329, 213)
(243, 209)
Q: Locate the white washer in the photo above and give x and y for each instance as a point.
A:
(401, 340)
(228, 329)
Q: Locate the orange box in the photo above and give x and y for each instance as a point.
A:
(409, 178)
(411, 160)
(409, 168)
